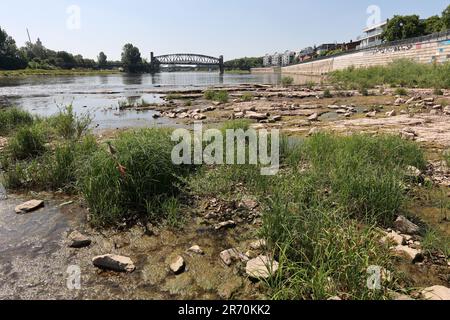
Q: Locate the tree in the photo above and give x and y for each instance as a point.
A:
(10, 56)
(433, 24)
(403, 27)
(446, 18)
(102, 60)
(131, 58)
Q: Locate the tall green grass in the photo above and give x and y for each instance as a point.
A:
(68, 125)
(12, 118)
(403, 72)
(27, 143)
(148, 179)
(217, 95)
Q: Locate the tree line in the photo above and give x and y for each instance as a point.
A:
(37, 56)
(410, 26)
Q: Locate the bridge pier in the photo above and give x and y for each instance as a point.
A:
(221, 65)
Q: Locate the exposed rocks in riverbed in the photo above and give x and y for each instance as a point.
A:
(196, 249)
(78, 240)
(261, 267)
(178, 265)
(29, 206)
(403, 225)
(225, 225)
(414, 255)
(114, 263)
(436, 293)
(232, 255)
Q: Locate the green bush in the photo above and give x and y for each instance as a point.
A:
(327, 94)
(403, 72)
(69, 125)
(401, 92)
(27, 143)
(219, 95)
(287, 81)
(12, 118)
(247, 96)
(147, 179)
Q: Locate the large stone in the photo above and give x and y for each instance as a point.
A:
(436, 293)
(256, 116)
(178, 265)
(78, 240)
(371, 114)
(314, 117)
(114, 263)
(393, 237)
(225, 225)
(258, 244)
(405, 226)
(232, 255)
(413, 254)
(29, 206)
(261, 267)
(196, 249)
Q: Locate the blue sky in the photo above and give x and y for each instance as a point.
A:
(233, 28)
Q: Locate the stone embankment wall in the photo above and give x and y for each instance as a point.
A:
(424, 52)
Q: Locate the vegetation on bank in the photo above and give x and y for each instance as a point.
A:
(320, 213)
(400, 73)
(217, 95)
(54, 72)
(287, 81)
(244, 64)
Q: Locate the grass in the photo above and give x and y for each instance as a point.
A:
(287, 81)
(327, 94)
(217, 95)
(68, 125)
(447, 157)
(401, 92)
(403, 73)
(27, 143)
(53, 72)
(12, 118)
(248, 96)
(173, 96)
(149, 178)
(320, 211)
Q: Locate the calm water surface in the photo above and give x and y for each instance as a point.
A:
(100, 95)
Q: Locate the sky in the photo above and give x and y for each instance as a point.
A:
(233, 28)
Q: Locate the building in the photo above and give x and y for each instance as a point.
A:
(267, 60)
(287, 58)
(372, 36)
(323, 48)
(276, 59)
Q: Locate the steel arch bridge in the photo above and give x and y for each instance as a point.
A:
(187, 59)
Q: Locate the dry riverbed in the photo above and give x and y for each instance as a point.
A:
(209, 257)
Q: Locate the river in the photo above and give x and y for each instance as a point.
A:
(100, 95)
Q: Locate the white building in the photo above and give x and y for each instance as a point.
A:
(287, 58)
(267, 60)
(372, 36)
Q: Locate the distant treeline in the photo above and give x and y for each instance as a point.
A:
(244, 63)
(37, 56)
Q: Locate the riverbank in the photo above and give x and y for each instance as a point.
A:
(56, 72)
(356, 187)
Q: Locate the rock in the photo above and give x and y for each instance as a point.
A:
(314, 117)
(256, 116)
(371, 114)
(447, 110)
(335, 298)
(405, 226)
(156, 116)
(258, 244)
(437, 107)
(436, 293)
(239, 115)
(392, 113)
(248, 203)
(180, 110)
(413, 172)
(196, 249)
(114, 263)
(277, 118)
(413, 254)
(400, 101)
(178, 265)
(431, 99)
(78, 240)
(334, 107)
(199, 116)
(341, 111)
(231, 255)
(182, 115)
(29, 206)
(225, 225)
(261, 267)
(393, 237)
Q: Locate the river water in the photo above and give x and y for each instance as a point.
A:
(100, 95)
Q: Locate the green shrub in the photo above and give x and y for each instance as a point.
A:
(403, 72)
(327, 94)
(310, 84)
(438, 92)
(27, 143)
(69, 125)
(149, 178)
(12, 118)
(401, 92)
(247, 96)
(219, 95)
(287, 81)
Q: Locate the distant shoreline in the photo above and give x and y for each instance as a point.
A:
(57, 72)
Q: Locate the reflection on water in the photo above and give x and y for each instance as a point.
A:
(100, 94)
